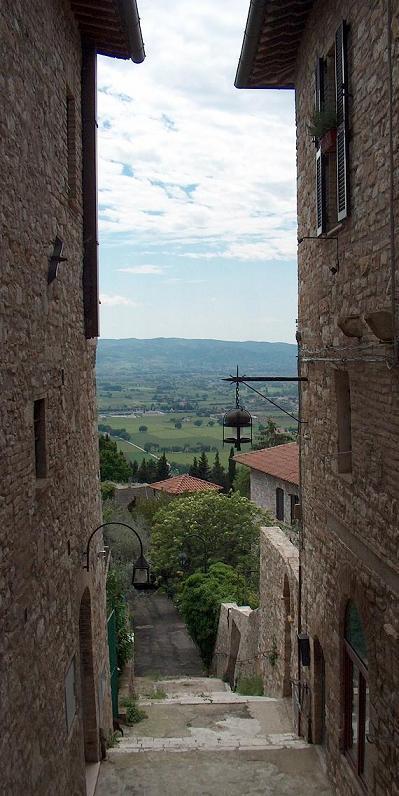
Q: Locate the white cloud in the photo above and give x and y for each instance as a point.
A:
(142, 269)
(184, 157)
(116, 301)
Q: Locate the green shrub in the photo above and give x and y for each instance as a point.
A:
(116, 601)
(199, 601)
(250, 686)
(134, 714)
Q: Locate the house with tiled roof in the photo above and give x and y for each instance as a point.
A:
(181, 484)
(274, 479)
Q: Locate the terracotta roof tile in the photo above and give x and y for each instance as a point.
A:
(282, 461)
(184, 483)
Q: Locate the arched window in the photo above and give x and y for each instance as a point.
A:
(356, 692)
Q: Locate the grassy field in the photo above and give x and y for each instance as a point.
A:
(161, 431)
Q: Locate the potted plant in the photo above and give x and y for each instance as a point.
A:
(323, 128)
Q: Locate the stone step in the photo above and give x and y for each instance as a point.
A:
(187, 744)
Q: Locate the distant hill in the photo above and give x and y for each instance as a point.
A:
(178, 355)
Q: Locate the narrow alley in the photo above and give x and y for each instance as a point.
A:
(199, 737)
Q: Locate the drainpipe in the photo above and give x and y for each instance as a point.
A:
(392, 188)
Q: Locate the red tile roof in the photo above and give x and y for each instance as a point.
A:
(184, 483)
(282, 461)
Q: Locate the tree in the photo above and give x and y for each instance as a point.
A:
(242, 481)
(203, 467)
(194, 468)
(232, 468)
(163, 469)
(143, 429)
(198, 423)
(152, 471)
(142, 473)
(269, 436)
(205, 524)
(107, 491)
(178, 424)
(114, 465)
(218, 475)
(200, 601)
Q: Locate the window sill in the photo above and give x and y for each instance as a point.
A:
(334, 230)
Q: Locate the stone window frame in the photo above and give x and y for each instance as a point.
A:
(342, 385)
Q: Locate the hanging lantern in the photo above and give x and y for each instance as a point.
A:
(142, 577)
(238, 419)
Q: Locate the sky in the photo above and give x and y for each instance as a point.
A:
(197, 196)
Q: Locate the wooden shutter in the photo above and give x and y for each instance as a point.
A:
(341, 83)
(320, 193)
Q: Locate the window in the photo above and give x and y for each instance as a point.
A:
(71, 147)
(39, 427)
(294, 499)
(279, 503)
(356, 692)
(343, 398)
(70, 694)
(331, 108)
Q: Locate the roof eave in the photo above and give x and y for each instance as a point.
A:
(256, 15)
(130, 16)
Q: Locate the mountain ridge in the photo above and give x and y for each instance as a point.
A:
(126, 356)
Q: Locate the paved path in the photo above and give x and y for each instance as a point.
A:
(162, 644)
(203, 740)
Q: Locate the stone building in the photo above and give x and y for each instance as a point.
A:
(54, 683)
(342, 59)
(274, 479)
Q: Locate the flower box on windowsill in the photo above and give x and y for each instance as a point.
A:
(328, 142)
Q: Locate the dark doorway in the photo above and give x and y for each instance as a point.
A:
(280, 503)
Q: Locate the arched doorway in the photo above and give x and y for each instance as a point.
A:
(319, 694)
(287, 638)
(88, 694)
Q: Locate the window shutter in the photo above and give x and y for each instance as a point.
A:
(320, 193)
(341, 82)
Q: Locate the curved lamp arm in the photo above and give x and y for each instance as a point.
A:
(104, 525)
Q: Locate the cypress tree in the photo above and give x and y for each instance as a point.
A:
(142, 473)
(203, 467)
(232, 468)
(194, 468)
(218, 475)
(162, 468)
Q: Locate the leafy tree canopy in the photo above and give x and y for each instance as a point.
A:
(200, 600)
(269, 436)
(228, 525)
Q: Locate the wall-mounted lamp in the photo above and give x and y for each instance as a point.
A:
(333, 268)
(55, 259)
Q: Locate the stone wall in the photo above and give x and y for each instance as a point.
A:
(279, 611)
(351, 519)
(236, 652)
(263, 492)
(263, 641)
(45, 596)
